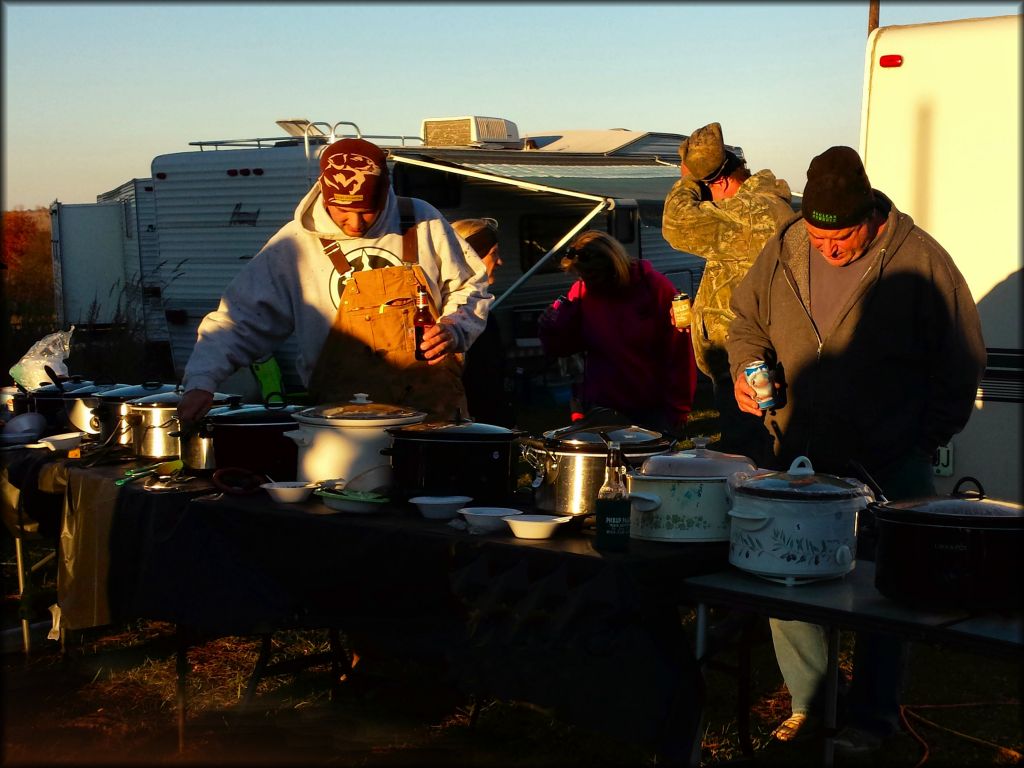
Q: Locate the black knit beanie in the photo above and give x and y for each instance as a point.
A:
(838, 193)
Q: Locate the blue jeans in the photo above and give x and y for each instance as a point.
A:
(879, 660)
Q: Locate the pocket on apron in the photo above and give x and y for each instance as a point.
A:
(385, 327)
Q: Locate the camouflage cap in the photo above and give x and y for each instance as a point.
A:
(704, 152)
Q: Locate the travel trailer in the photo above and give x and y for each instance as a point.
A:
(184, 233)
(940, 134)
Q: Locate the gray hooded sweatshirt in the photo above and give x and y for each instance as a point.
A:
(895, 376)
(291, 286)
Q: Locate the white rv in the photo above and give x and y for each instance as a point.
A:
(216, 205)
(940, 134)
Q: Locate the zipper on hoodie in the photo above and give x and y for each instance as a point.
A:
(817, 335)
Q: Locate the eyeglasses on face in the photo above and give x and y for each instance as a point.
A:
(579, 255)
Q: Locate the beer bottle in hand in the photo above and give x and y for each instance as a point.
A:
(612, 505)
(421, 320)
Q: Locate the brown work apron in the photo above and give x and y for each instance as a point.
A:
(371, 345)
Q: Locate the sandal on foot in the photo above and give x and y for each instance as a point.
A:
(797, 726)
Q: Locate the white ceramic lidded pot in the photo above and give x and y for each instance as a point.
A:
(795, 526)
(344, 440)
(684, 495)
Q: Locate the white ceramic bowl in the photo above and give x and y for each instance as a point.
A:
(289, 492)
(487, 519)
(353, 501)
(62, 442)
(534, 526)
(440, 507)
(24, 428)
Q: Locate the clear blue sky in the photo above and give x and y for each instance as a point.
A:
(93, 91)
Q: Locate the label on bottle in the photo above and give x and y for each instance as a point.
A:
(421, 320)
(612, 525)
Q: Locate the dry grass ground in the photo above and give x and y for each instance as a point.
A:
(111, 699)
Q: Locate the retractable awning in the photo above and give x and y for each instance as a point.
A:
(600, 182)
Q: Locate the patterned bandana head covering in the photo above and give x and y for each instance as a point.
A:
(354, 175)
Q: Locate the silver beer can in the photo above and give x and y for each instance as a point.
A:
(760, 379)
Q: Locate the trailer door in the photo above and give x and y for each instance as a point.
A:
(88, 261)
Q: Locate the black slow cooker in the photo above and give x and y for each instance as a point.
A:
(251, 436)
(962, 550)
(461, 457)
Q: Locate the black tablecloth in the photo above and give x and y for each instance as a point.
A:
(552, 622)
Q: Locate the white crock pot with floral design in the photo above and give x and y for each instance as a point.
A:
(683, 496)
(795, 526)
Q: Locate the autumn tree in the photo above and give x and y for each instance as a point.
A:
(27, 263)
(26, 284)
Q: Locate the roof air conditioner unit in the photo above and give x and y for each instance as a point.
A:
(468, 131)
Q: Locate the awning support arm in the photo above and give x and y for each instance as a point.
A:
(492, 177)
(603, 205)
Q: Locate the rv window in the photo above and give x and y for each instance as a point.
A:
(622, 223)
(651, 212)
(538, 234)
(440, 189)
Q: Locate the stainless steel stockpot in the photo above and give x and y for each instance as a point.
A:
(569, 463)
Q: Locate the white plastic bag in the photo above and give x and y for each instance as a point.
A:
(51, 350)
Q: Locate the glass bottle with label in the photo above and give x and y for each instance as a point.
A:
(421, 320)
(612, 505)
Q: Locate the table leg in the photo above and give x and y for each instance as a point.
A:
(702, 631)
(266, 649)
(182, 670)
(19, 556)
(831, 695)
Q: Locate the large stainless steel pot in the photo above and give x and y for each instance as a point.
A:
(48, 400)
(154, 426)
(8, 398)
(459, 457)
(958, 550)
(111, 409)
(569, 463)
(684, 496)
(344, 440)
(795, 526)
(78, 408)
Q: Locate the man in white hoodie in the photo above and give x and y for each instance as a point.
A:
(343, 276)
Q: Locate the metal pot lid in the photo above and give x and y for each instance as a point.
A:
(800, 482)
(696, 462)
(135, 391)
(632, 440)
(171, 399)
(93, 389)
(253, 413)
(66, 387)
(360, 411)
(963, 508)
(461, 430)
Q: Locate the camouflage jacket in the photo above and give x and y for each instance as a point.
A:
(728, 234)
